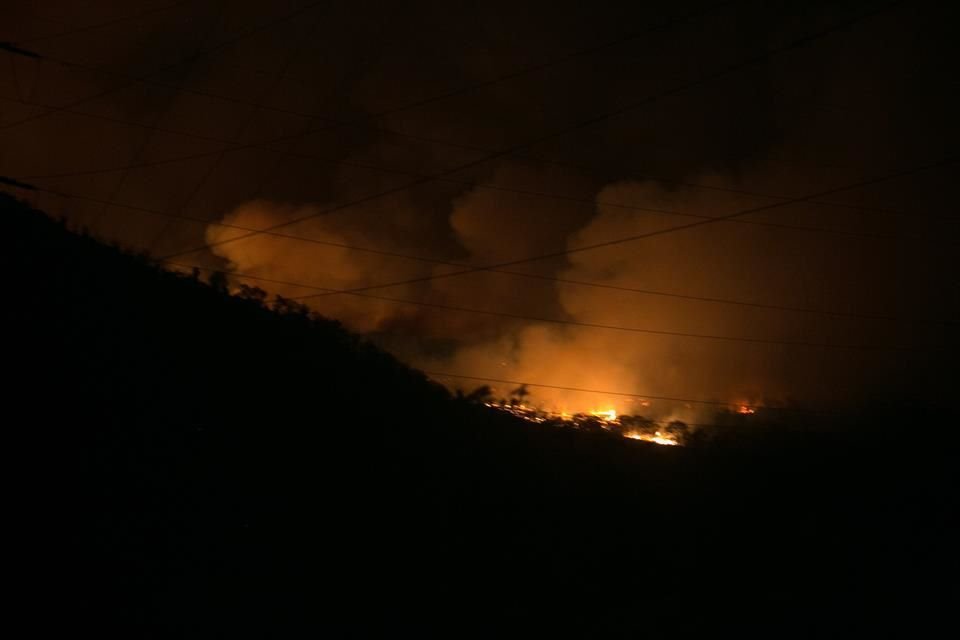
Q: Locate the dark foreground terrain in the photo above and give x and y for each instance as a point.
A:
(197, 465)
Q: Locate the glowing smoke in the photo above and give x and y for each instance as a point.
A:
(722, 260)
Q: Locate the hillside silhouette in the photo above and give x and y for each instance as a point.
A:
(201, 464)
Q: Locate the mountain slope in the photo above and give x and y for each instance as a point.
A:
(197, 464)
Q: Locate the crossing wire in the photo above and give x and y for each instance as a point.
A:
(725, 71)
(247, 33)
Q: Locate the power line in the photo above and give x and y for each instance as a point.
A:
(11, 48)
(487, 83)
(520, 274)
(498, 268)
(728, 70)
(428, 140)
(518, 316)
(472, 184)
(386, 19)
(198, 187)
(598, 171)
(280, 110)
(137, 79)
(138, 153)
(651, 234)
(15, 78)
(559, 321)
(507, 76)
(503, 78)
(258, 231)
(102, 25)
(435, 98)
(800, 410)
(641, 396)
(533, 384)
(13, 182)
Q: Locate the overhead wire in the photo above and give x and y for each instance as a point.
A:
(519, 274)
(105, 24)
(141, 149)
(134, 80)
(296, 51)
(569, 322)
(585, 170)
(360, 122)
(759, 305)
(581, 124)
(659, 232)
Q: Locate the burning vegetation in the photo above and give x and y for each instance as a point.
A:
(669, 432)
(634, 427)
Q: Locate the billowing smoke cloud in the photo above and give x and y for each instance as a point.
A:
(864, 102)
(315, 266)
(735, 261)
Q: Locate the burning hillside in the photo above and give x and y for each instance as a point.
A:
(669, 425)
(633, 427)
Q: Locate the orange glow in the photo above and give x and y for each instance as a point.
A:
(657, 437)
(609, 420)
(746, 410)
(609, 415)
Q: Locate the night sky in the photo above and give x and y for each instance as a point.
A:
(384, 143)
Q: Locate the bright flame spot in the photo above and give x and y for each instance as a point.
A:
(657, 437)
(746, 410)
(609, 420)
(606, 414)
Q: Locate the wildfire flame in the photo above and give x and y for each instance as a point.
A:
(607, 414)
(657, 437)
(608, 419)
(745, 409)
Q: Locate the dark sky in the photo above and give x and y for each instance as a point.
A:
(484, 133)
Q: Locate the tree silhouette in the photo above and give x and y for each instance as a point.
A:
(518, 395)
(254, 294)
(218, 281)
(480, 395)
